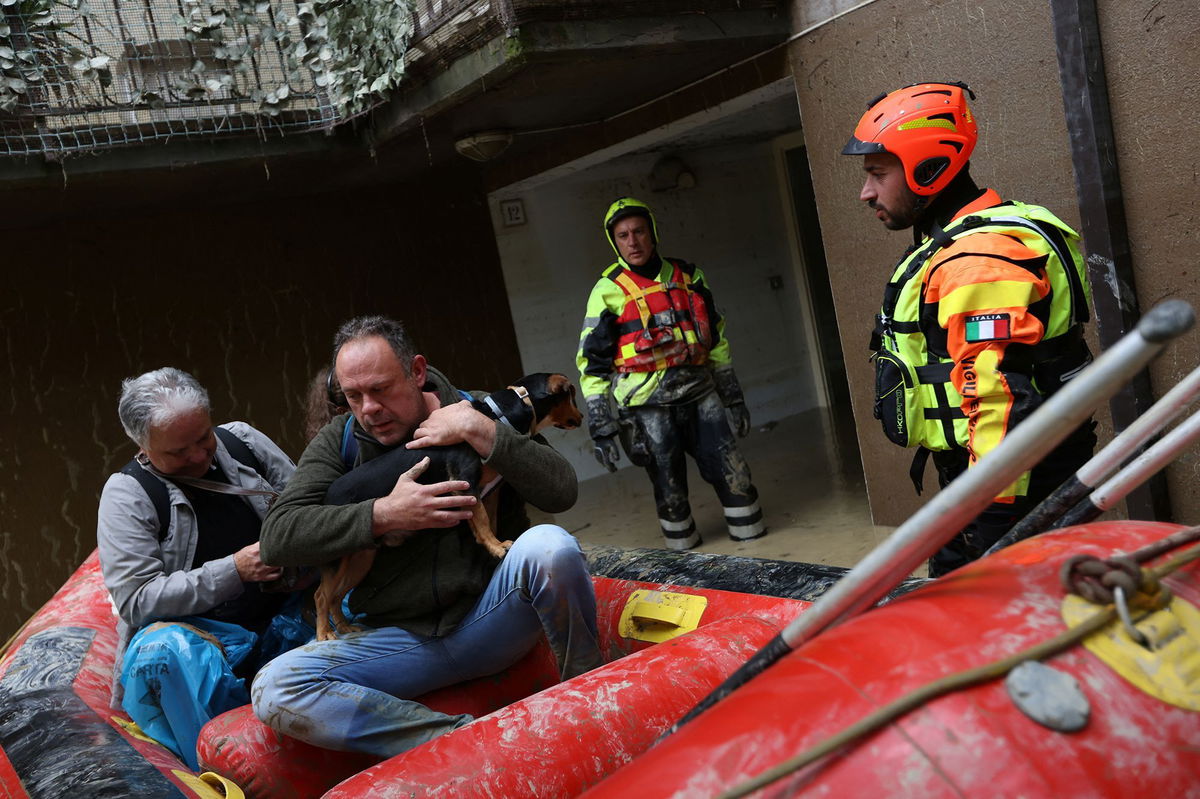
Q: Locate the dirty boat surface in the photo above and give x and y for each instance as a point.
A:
(596, 734)
(59, 737)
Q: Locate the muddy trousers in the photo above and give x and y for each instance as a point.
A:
(356, 693)
(700, 429)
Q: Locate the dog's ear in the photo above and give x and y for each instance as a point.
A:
(559, 384)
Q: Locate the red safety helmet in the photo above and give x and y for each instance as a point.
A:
(928, 126)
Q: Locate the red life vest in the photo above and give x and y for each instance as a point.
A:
(662, 324)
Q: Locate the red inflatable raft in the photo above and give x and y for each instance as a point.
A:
(597, 733)
(1141, 736)
(59, 737)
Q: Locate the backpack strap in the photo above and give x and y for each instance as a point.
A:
(156, 489)
(349, 444)
(239, 450)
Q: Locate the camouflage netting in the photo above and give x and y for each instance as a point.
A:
(78, 75)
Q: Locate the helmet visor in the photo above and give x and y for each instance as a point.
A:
(857, 146)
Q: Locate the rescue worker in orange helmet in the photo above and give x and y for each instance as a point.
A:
(983, 316)
(654, 340)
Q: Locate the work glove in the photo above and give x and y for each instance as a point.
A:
(730, 392)
(603, 430)
(739, 417)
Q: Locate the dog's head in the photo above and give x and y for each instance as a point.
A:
(552, 397)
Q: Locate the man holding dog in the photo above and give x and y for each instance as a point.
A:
(653, 339)
(439, 609)
(983, 317)
(178, 538)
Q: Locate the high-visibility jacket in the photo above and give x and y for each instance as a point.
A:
(980, 322)
(635, 329)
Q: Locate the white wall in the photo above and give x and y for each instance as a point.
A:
(730, 224)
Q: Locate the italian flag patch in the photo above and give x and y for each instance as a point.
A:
(988, 327)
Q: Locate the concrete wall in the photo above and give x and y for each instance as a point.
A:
(731, 225)
(1152, 60)
(246, 297)
(1023, 152)
(1006, 52)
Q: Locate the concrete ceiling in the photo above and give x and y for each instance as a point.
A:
(571, 77)
(562, 88)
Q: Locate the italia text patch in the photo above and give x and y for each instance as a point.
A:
(988, 327)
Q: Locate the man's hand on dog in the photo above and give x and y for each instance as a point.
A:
(413, 506)
(456, 424)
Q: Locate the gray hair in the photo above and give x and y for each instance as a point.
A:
(389, 330)
(153, 398)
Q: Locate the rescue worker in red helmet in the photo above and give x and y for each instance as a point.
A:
(983, 316)
(653, 338)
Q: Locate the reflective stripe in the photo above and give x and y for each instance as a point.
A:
(745, 521)
(1001, 294)
(745, 532)
(680, 544)
(679, 535)
(741, 512)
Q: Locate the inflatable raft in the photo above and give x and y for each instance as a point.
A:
(1121, 716)
(669, 646)
(596, 735)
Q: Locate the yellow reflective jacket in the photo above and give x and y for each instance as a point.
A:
(980, 323)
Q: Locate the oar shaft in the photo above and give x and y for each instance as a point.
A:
(1049, 512)
(1138, 471)
(1158, 416)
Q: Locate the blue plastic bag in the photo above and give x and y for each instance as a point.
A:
(287, 630)
(176, 678)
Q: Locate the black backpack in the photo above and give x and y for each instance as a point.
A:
(157, 491)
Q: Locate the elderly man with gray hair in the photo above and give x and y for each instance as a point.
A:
(178, 537)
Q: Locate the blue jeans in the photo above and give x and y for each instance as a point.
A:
(355, 693)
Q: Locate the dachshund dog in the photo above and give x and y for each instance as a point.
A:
(534, 402)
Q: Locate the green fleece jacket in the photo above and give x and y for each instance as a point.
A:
(428, 583)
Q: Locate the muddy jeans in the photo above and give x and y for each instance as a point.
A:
(355, 693)
(700, 429)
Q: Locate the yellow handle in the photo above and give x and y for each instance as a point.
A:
(659, 614)
(210, 785)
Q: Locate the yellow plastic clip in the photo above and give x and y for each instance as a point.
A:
(658, 616)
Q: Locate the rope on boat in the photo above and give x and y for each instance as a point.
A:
(1150, 595)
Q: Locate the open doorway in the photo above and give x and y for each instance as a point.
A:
(748, 219)
(813, 278)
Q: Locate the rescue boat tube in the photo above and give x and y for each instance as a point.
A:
(566, 738)
(632, 616)
(974, 742)
(58, 735)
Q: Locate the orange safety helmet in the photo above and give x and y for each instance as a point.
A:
(928, 126)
